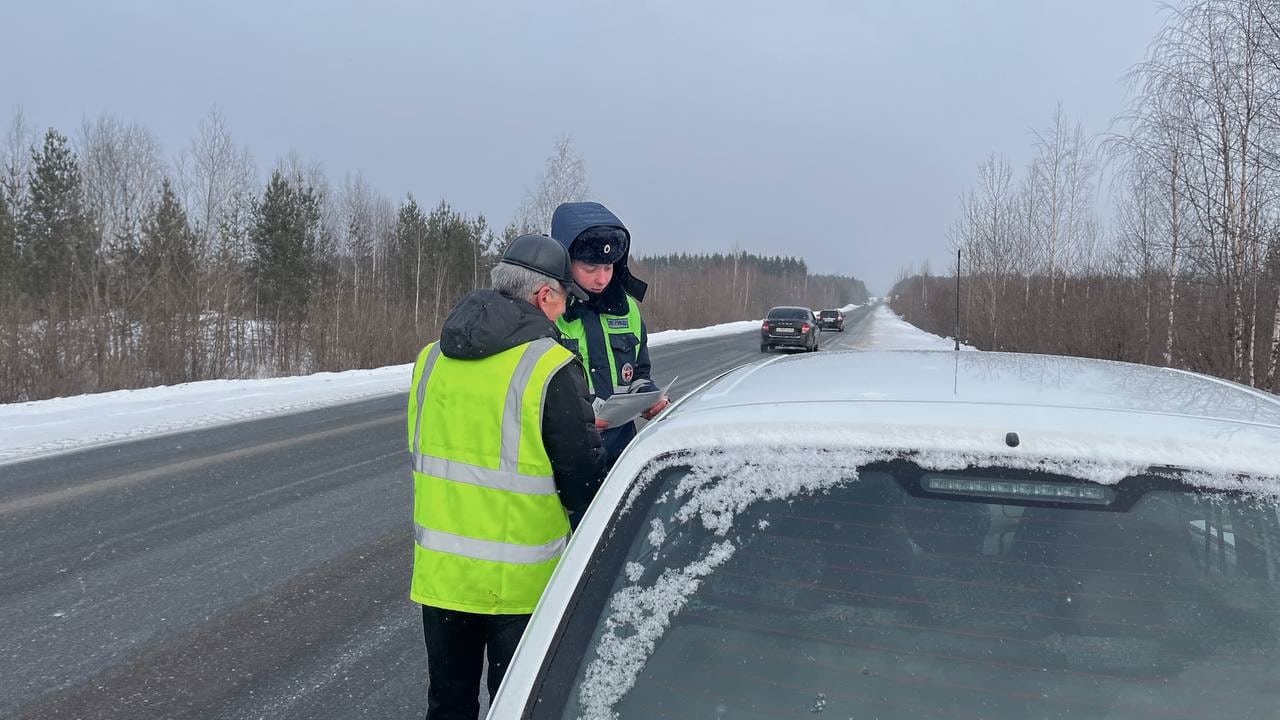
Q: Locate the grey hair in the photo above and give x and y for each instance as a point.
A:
(519, 282)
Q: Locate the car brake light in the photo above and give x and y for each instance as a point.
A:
(804, 328)
(1020, 489)
(764, 326)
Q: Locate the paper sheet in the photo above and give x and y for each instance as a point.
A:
(622, 408)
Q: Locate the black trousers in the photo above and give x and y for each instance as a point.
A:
(456, 645)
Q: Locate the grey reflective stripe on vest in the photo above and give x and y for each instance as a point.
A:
(427, 366)
(507, 476)
(487, 549)
(511, 420)
(483, 476)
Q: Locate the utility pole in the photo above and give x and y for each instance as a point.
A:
(957, 299)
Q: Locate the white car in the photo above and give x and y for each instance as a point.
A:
(927, 535)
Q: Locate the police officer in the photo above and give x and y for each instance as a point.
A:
(503, 443)
(606, 331)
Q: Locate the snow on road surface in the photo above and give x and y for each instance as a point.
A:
(45, 427)
(887, 331)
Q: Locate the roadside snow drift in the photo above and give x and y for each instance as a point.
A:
(46, 427)
(890, 332)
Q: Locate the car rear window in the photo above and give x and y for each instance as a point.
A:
(829, 314)
(788, 314)
(884, 598)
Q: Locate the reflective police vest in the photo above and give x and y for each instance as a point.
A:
(488, 523)
(621, 334)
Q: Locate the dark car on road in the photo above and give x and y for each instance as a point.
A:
(831, 319)
(794, 327)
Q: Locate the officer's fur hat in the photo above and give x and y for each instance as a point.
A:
(600, 245)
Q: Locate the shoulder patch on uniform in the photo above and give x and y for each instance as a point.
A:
(618, 323)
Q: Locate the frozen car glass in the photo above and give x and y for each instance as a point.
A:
(877, 599)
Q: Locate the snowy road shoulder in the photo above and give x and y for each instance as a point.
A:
(887, 331)
(57, 425)
(46, 427)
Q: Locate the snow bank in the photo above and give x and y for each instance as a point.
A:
(45, 427)
(667, 337)
(48, 426)
(888, 331)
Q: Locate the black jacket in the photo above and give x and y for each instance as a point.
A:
(485, 323)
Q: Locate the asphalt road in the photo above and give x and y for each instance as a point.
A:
(255, 570)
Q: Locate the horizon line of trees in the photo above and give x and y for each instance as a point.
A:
(1185, 270)
(121, 270)
(692, 290)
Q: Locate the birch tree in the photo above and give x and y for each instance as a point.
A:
(564, 179)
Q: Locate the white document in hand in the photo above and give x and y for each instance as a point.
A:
(623, 408)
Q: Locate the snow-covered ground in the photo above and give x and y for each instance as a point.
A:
(887, 331)
(667, 337)
(43, 427)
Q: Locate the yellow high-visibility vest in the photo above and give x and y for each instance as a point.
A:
(488, 524)
(612, 328)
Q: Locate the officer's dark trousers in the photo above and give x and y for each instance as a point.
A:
(456, 644)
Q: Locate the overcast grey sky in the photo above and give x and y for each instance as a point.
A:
(839, 131)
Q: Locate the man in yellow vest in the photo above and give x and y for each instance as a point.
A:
(503, 442)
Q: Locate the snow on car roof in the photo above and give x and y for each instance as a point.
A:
(1093, 419)
(990, 378)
